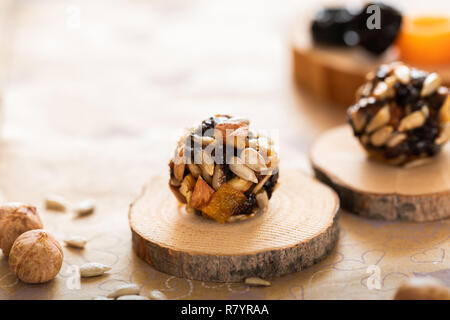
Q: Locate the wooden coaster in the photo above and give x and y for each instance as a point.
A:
(335, 74)
(299, 229)
(376, 190)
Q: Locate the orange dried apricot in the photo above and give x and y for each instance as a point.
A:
(425, 40)
(223, 203)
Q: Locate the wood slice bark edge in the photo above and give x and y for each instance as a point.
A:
(235, 268)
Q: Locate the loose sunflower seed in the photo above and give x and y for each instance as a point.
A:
(262, 200)
(253, 159)
(257, 282)
(76, 242)
(55, 202)
(430, 84)
(381, 136)
(125, 290)
(396, 139)
(412, 121)
(132, 297)
(241, 170)
(85, 207)
(93, 269)
(380, 119)
(402, 74)
(102, 298)
(157, 295)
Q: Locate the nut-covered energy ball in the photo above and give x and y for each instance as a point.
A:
(402, 114)
(15, 219)
(36, 257)
(224, 171)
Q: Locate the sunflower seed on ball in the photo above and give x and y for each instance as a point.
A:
(125, 290)
(55, 202)
(444, 136)
(430, 84)
(257, 282)
(380, 119)
(262, 200)
(381, 136)
(75, 242)
(132, 297)
(412, 121)
(402, 74)
(85, 207)
(396, 139)
(93, 269)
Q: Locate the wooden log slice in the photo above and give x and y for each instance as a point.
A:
(334, 74)
(299, 229)
(376, 190)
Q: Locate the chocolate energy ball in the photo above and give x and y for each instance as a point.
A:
(223, 170)
(402, 114)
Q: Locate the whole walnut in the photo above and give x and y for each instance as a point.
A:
(15, 219)
(36, 257)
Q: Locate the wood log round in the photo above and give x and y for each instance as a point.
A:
(334, 74)
(299, 229)
(376, 190)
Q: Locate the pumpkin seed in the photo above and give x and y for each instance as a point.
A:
(125, 290)
(93, 269)
(76, 242)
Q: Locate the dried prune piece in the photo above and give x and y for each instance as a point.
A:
(247, 206)
(376, 40)
(330, 25)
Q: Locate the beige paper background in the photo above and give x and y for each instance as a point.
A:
(93, 109)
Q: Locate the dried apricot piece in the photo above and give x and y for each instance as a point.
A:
(225, 201)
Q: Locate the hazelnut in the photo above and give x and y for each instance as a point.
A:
(15, 219)
(422, 288)
(36, 257)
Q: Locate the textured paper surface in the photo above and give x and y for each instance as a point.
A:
(93, 110)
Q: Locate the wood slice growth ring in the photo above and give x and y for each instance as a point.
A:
(299, 229)
(335, 74)
(376, 190)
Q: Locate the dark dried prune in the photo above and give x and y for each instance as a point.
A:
(330, 25)
(377, 40)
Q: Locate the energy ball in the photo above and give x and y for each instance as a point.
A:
(402, 114)
(224, 171)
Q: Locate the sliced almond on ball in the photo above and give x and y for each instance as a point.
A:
(241, 170)
(253, 159)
